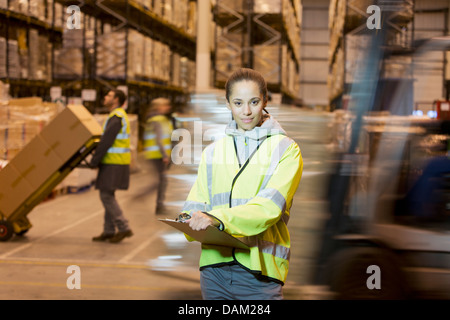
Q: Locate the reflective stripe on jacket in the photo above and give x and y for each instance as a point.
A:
(151, 147)
(252, 201)
(119, 152)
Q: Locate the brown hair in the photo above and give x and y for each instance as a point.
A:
(119, 94)
(249, 75)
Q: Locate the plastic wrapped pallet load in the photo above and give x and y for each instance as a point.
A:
(13, 60)
(148, 57)
(111, 54)
(22, 120)
(267, 6)
(228, 55)
(266, 59)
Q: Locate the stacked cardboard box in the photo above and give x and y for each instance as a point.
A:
(68, 63)
(292, 27)
(37, 9)
(59, 141)
(181, 14)
(20, 6)
(187, 74)
(236, 5)
(49, 12)
(158, 7)
(135, 54)
(148, 57)
(161, 61)
(267, 6)
(192, 18)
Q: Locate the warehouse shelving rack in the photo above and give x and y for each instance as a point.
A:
(348, 19)
(246, 36)
(122, 15)
(10, 23)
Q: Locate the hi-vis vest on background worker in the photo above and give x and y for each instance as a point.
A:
(119, 152)
(260, 193)
(151, 147)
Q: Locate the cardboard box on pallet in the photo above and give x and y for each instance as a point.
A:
(57, 143)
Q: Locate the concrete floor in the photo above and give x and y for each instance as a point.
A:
(157, 262)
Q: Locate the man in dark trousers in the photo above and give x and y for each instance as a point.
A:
(112, 157)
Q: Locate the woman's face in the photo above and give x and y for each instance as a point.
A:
(246, 104)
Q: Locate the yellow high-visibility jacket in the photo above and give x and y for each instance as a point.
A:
(251, 199)
(151, 147)
(119, 152)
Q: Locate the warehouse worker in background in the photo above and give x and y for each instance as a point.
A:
(158, 144)
(245, 187)
(112, 157)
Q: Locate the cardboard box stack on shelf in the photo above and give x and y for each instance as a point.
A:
(68, 63)
(355, 50)
(187, 74)
(20, 6)
(135, 54)
(336, 21)
(267, 6)
(111, 54)
(292, 27)
(2, 58)
(336, 77)
(21, 120)
(14, 67)
(192, 18)
(337, 65)
(39, 9)
(81, 178)
(69, 58)
(148, 57)
(266, 60)
(30, 57)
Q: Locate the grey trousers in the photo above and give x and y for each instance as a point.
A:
(159, 167)
(114, 217)
(232, 282)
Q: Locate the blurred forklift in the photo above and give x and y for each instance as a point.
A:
(42, 164)
(381, 241)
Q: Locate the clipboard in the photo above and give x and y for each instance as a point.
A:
(211, 235)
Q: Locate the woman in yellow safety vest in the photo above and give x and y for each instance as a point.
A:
(245, 186)
(158, 144)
